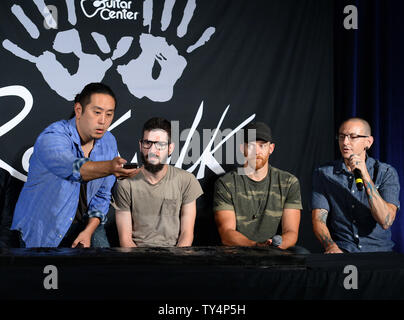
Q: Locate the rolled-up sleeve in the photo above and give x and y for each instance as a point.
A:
(99, 205)
(76, 168)
(101, 200)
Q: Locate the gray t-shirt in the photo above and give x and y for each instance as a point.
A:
(156, 208)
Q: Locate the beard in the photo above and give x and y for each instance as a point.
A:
(153, 168)
(257, 162)
(260, 163)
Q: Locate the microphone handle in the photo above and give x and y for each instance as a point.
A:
(358, 179)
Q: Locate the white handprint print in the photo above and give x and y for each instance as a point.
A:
(137, 74)
(91, 67)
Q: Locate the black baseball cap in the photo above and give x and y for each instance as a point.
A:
(262, 132)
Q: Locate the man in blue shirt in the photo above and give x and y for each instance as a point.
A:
(10, 188)
(72, 170)
(346, 218)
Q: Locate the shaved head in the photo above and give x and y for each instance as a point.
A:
(365, 125)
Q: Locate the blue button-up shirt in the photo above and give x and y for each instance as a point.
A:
(48, 201)
(350, 221)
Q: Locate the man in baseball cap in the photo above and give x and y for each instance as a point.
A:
(258, 205)
(257, 131)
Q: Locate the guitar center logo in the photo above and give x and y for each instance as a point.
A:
(109, 9)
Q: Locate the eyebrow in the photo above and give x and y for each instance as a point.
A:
(101, 108)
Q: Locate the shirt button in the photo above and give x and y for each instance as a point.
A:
(353, 191)
(60, 235)
(71, 219)
(353, 206)
(356, 236)
(354, 221)
(359, 246)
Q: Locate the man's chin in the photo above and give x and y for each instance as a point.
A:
(346, 155)
(97, 135)
(259, 166)
(259, 163)
(153, 168)
(256, 165)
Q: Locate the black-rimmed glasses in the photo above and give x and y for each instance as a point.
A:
(160, 145)
(350, 136)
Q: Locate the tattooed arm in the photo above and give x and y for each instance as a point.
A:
(319, 219)
(383, 212)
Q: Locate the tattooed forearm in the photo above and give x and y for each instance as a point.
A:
(319, 218)
(378, 207)
(325, 240)
(387, 222)
(322, 216)
(372, 192)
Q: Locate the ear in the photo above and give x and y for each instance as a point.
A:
(242, 149)
(78, 110)
(271, 148)
(369, 142)
(171, 147)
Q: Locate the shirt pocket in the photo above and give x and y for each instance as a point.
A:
(168, 222)
(169, 207)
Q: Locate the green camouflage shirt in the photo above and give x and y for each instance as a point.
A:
(258, 204)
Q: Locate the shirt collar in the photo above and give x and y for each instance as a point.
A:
(73, 131)
(75, 134)
(340, 166)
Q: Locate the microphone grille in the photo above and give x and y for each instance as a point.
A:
(276, 240)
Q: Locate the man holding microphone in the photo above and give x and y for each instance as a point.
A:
(348, 216)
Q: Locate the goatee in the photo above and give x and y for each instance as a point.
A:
(153, 168)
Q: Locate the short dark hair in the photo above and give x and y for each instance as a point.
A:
(158, 123)
(84, 97)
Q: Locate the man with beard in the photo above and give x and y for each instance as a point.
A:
(157, 207)
(257, 202)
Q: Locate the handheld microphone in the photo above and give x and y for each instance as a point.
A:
(358, 179)
(276, 240)
(358, 176)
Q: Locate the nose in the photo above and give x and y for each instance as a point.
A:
(153, 148)
(101, 118)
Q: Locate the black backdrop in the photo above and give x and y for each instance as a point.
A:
(369, 81)
(272, 59)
